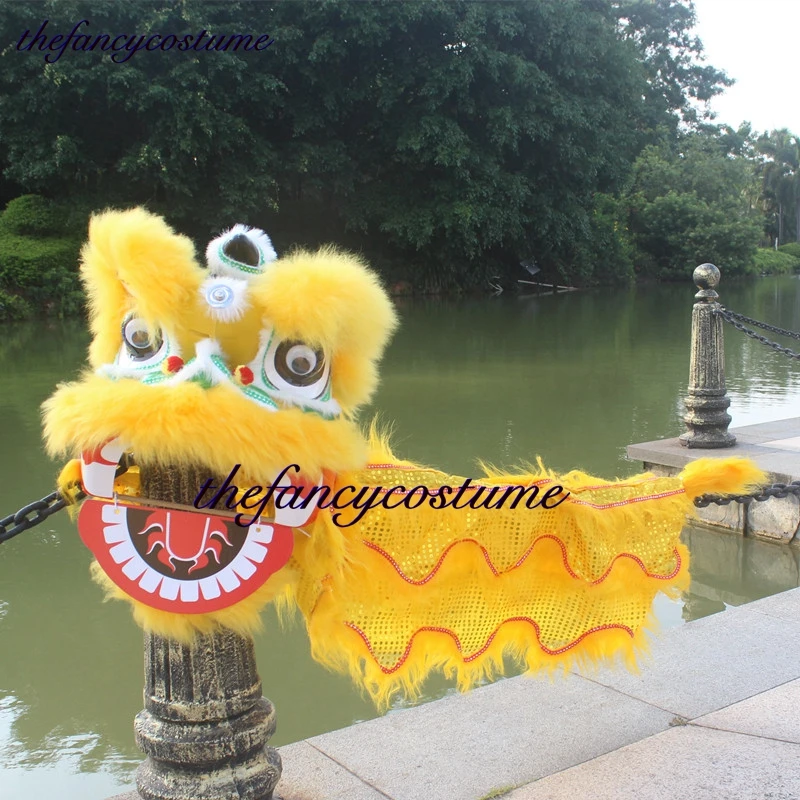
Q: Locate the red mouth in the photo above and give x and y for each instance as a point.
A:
(182, 561)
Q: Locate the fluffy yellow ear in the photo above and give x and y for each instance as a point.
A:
(135, 261)
(330, 299)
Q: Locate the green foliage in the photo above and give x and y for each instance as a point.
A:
(13, 307)
(38, 268)
(688, 205)
(775, 262)
(447, 139)
(607, 254)
(33, 215)
(660, 31)
(780, 184)
(792, 248)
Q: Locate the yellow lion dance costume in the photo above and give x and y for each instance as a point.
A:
(253, 368)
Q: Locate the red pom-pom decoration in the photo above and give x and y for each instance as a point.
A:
(243, 375)
(173, 364)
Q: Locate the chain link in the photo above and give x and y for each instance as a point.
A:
(39, 510)
(776, 490)
(762, 325)
(728, 316)
(32, 514)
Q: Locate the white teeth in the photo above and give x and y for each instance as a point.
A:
(150, 581)
(115, 533)
(189, 591)
(169, 588)
(254, 551)
(262, 533)
(228, 580)
(122, 552)
(114, 514)
(134, 568)
(243, 568)
(210, 588)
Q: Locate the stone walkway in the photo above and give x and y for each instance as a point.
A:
(713, 716)
(774, 446)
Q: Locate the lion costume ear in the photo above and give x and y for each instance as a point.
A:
(133, 261)
(330, 299)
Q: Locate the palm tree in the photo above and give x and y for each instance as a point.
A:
(780, 178)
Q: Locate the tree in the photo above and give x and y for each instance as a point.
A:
(178, 130)
(690, 203)
(447, 139)
(779, 170)
(679, 84)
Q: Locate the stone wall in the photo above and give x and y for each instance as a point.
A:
(774, 520)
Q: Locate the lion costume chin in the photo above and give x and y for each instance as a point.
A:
(261, 363)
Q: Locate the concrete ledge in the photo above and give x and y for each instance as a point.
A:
(774, 446)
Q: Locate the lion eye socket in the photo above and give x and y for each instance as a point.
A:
(139, 341)
(298, 364)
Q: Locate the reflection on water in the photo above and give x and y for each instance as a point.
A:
(573, 378)
(729, 570)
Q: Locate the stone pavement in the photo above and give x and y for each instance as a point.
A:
(713, 716)
(774, 446)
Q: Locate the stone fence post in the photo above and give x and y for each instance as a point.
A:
(707, 401)
(205, 725)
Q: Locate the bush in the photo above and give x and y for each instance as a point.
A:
(40, 243)
(42, 271)
(792, 248)
(775, 262)
(33, 215)
(13, 307)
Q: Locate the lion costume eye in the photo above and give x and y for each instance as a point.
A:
(296, 368)
(140, 343)
(298, 364)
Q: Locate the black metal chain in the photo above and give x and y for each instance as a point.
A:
(728, 316)
(32, 514)
(776, 490)
(762, 325)
(39, 510)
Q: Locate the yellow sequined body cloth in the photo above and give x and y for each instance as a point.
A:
(423, 588)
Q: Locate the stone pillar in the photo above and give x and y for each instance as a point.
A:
(706, 403)
(205, 725)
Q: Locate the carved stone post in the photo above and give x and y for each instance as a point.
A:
(706, 403)
(205, 725)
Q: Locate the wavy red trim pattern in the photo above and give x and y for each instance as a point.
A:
(478, 653)
(618, 503)
(496, 572)
(539, 482)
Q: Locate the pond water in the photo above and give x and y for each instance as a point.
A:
(572, 378)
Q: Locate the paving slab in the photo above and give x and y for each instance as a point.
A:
(713, 662)
(466, 746)
(785, 444)
(671, 453)
(685, 763)
(772, 714)
(309, 774)
(774, 446)
(783, 606)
